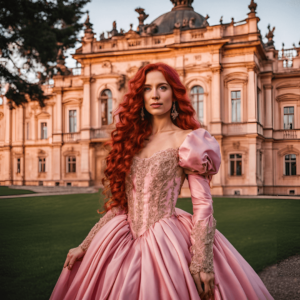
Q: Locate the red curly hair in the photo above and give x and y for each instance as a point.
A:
(130, 133)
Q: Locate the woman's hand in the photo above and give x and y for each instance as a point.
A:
(74, 255)
(208, 280)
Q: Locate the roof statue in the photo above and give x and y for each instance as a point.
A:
(252, 6)
(142, 17)
(270, 36)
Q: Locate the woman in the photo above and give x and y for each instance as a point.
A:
(144, 247)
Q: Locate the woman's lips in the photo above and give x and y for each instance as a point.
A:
(156, 105)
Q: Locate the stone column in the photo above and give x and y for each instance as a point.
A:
(58, 116)
(252, 163)
(92, 163)
(268, 167)
(7, 116)
(86, 109)
(252, 90)
(84, 157)
(216, 105)
(57, 161)
(268, 106)
(7, 164)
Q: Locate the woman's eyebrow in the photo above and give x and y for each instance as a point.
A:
(158, 84)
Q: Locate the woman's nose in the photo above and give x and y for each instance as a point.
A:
(155, 94)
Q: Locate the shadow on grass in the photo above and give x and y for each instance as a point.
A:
(6, 191)
(36, 234)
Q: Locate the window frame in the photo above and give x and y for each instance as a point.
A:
(237, 101)
(42, 164)
(106, 106)
(289, 114)
(235, 159)
(74, 117)
(70, 163)
(198, 101)
(18, 165)
(43, 135)
(289, 161)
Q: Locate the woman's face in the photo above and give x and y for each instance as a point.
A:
(157, 94)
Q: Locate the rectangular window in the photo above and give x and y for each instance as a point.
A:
(288, 117)
(236, 106)
(71, 164)
(290, 164)
(235, 164)
(42, 165)
(27, 131)
(72, 120)
(43, 130)
(18, 165)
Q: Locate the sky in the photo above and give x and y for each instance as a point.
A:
(283, 14)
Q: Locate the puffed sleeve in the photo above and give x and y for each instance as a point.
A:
(105, 219)
(200, 154)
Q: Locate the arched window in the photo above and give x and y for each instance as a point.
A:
(197, 96)
(290, 164)
(106, 107)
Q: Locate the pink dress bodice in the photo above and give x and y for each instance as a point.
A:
(152, 188)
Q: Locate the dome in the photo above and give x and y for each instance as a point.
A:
(184, 18)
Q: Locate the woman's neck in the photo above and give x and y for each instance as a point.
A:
(162, 124)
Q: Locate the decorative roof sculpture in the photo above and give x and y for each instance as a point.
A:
(270, 36)
(252, 6)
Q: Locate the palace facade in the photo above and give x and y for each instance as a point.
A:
(246, 94)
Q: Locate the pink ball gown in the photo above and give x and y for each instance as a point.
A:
(151, 252)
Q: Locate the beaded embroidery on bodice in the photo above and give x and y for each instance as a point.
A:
(152, 188)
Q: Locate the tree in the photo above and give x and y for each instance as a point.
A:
(33, 37)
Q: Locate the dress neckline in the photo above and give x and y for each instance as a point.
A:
(156, 153)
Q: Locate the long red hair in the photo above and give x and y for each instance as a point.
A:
(130, 133)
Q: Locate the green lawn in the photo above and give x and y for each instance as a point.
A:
(37, 232)
(6, 191)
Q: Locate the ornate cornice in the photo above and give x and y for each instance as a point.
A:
(288, 97)
(43, 115)
(236, 76)
(289, 149)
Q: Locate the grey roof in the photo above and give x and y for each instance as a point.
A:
(166, 21)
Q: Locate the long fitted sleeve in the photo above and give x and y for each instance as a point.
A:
(200, 155)
(105, 219)
(202, 235)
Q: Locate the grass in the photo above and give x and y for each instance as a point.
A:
(37, 232)
(6, 191)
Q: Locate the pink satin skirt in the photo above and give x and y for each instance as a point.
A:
(154, 266)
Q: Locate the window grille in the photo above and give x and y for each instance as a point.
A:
(235, 164)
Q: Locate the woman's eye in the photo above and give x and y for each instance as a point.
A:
(146, 89)
(163, 88)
